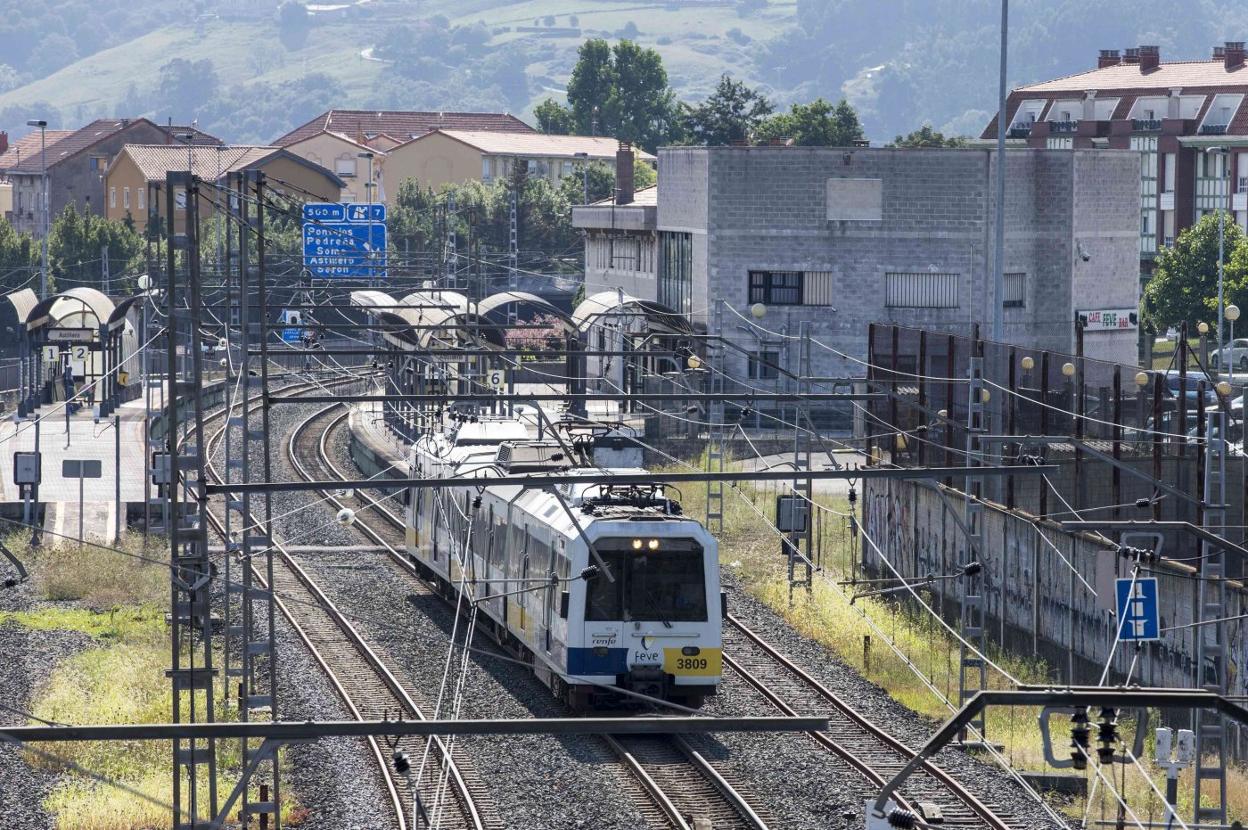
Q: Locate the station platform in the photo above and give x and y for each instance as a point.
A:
(81, 439)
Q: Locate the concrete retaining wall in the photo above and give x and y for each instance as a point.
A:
(1037, 603)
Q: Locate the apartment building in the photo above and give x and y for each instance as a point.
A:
(1186, 119)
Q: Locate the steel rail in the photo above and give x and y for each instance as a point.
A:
(662, 800)
(465, 797)
(878, 777)
(389, 781)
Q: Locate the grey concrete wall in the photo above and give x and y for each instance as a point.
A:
(1036, 602)
(766, 208)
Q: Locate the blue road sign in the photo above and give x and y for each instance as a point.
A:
(1139, 613)
(291, 335)
(344, 239)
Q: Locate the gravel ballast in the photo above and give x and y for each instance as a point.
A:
(29, 658)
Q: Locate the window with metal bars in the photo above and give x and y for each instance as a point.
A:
(920, 290)
(1015, 290)
(776, 287)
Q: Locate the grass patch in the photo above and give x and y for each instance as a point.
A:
(97, 577)
(929, 655)
(120, 601)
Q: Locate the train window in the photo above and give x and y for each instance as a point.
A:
(664, 586)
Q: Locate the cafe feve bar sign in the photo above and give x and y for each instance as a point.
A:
(1110, 319)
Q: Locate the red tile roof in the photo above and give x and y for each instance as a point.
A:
(29, 145)
(401, 125)
(540, 145)
(76, 142)
(1130, 78)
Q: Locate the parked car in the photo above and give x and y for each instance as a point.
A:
(1192, 391)
(1234, 355)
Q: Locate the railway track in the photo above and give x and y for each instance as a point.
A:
(678, 785)
(868, 748)
(369, 689)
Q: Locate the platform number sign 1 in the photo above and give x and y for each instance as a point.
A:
(1139, 614)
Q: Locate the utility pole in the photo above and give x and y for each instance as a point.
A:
(104, 268)
(998, 266)
(43, 206)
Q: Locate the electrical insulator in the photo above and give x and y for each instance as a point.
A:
(401, 762)
(1107, 735)
(1079, 734)
(852, 495)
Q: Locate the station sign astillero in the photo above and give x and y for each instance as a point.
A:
(344, 240)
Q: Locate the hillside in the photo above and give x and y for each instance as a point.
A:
(248, 72)
(251, 55)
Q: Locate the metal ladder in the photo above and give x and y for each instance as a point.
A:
(972, 671)
(1210, 726)
(715, 432)
(803, 488)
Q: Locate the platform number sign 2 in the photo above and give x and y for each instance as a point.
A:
(1139, 614)
(497, 379)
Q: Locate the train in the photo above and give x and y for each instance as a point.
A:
(608, 591)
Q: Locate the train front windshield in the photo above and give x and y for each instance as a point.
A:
(655, 579)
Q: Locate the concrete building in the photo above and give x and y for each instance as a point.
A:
(1178, 115)
(75, 166)
(837, 238)
(622, 244)
(135, 180)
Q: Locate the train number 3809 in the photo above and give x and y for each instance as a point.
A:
(691, 663)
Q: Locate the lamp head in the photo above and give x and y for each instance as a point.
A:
(1029, 363)
(1231, 312)
(1068, 369)
(1202, 327)
(758, 310)
(1141, 379)
(38, 122)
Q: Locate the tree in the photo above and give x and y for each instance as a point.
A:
(18, 254)
(76, 240)
(732, 113)
(925, 136)
(1184, 285)
(817, 124)
(620, 91)
(184, 87)
(601, 181)
(293, 24)
(553, 118)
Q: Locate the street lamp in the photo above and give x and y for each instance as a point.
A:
(43, 246)
(368, 190)
(1232, 314)
(1222, 177)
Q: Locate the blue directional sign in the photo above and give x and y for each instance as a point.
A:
(1139, 614)
(291, 335)
(344, 239)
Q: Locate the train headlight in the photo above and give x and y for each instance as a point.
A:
(691, 651)
(653, 544)
(636, 544)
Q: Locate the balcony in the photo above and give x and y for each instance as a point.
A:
(1145, 125)
(1020, 130)
(1056, 127)
(1213, 129)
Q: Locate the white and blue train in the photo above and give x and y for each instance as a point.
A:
(653, 628)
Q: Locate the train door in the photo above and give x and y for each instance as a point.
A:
(489, 550)
(524, 576)
(434, 540)
(548, 615)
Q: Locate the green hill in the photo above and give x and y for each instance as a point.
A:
(253, 62)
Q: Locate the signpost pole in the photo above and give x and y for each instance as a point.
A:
(117, 475)
(80, 504)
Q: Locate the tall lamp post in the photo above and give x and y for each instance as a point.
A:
(368, 192)
(1232, 314)
(998, 270)
(43, 212)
